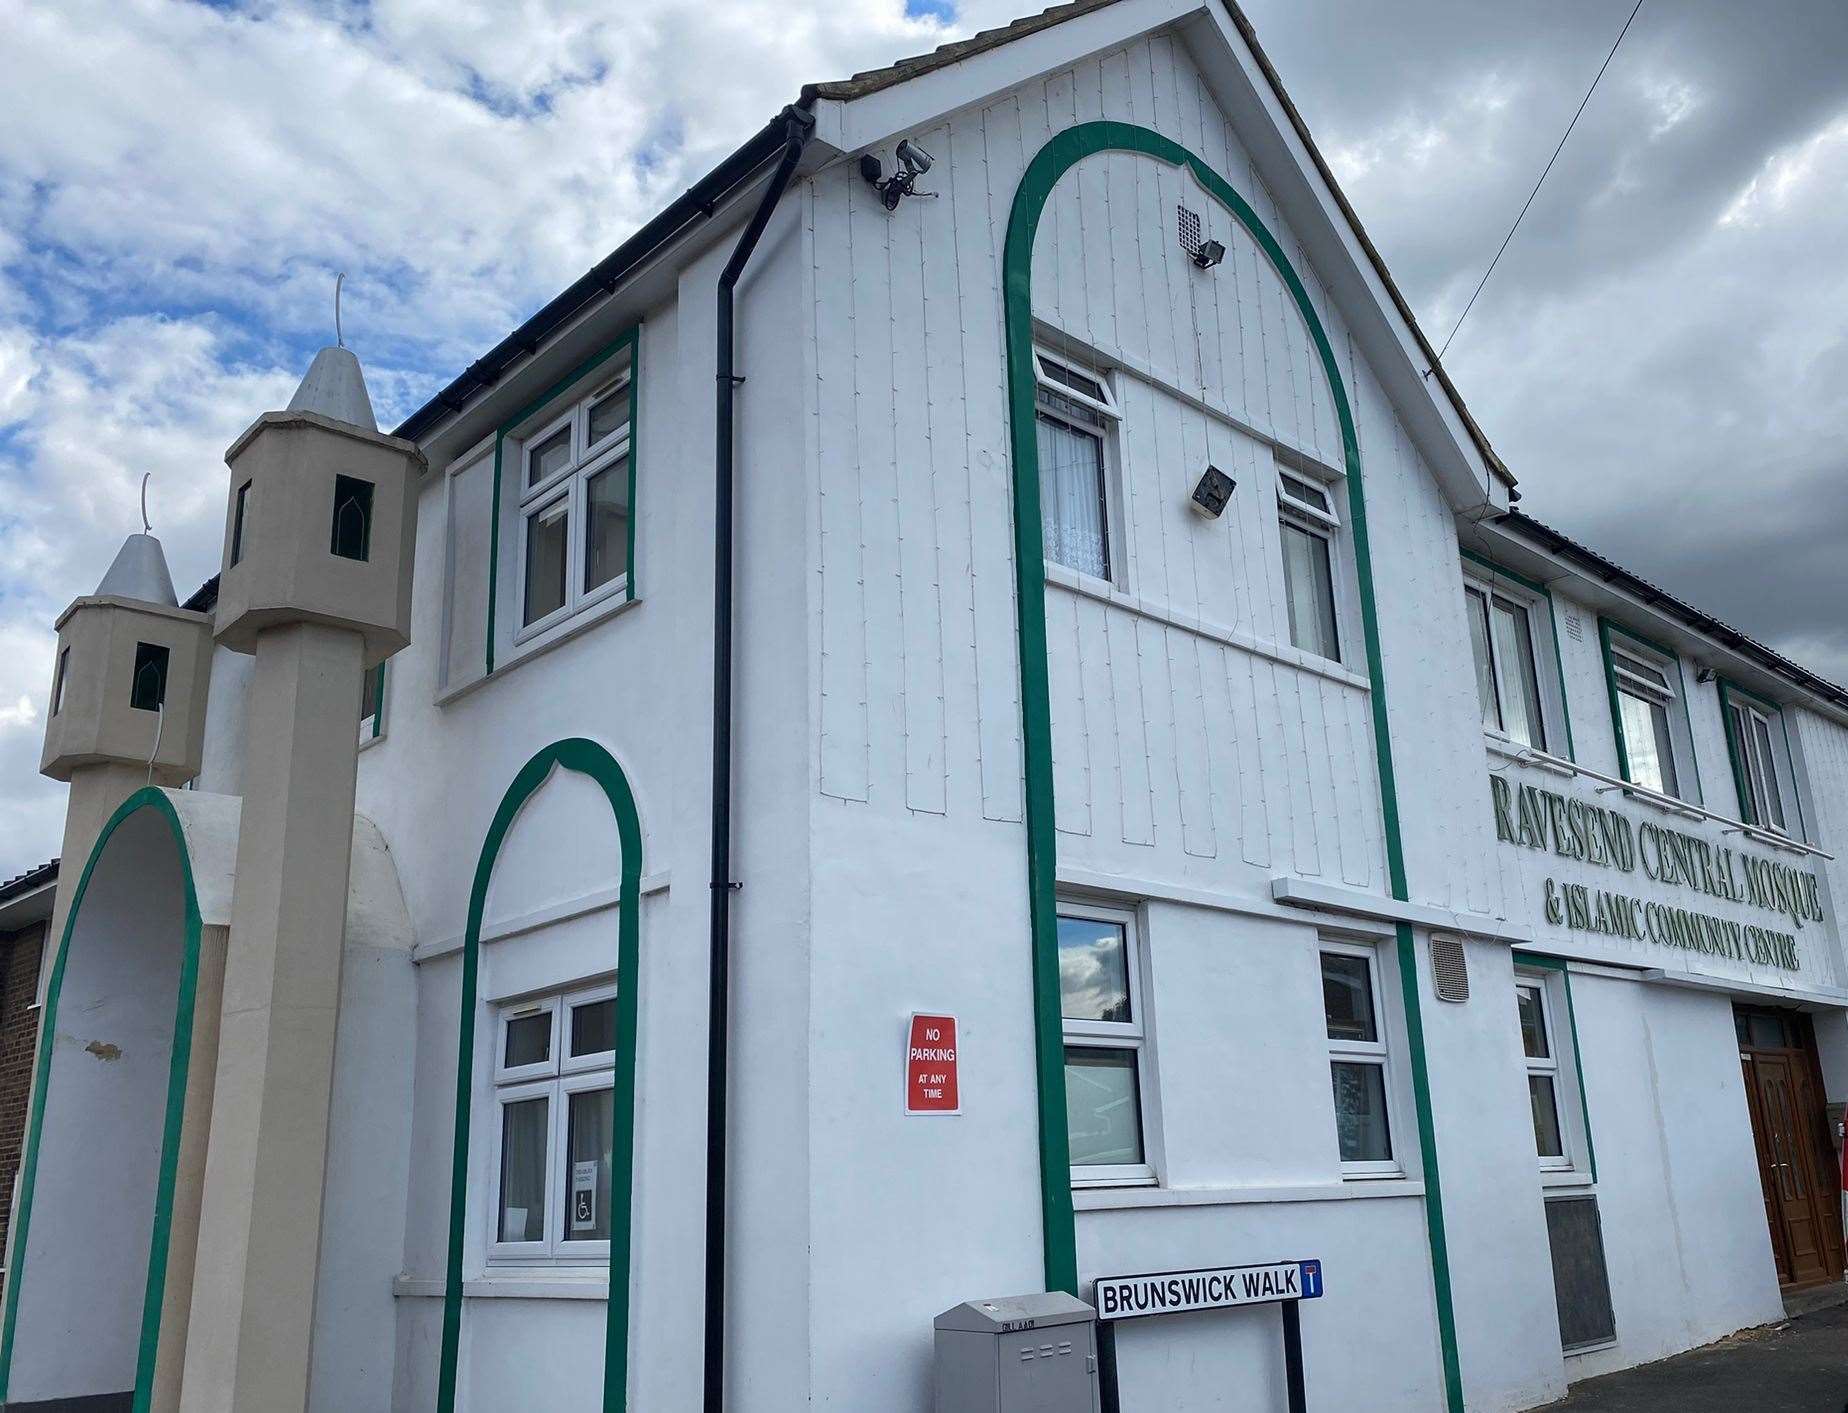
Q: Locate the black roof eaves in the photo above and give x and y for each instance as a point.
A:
(1610, 572)
(698, 202)
(32, 879)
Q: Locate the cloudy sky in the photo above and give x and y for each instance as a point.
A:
(1662, 356)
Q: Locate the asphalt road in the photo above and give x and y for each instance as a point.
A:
(1800, 1366)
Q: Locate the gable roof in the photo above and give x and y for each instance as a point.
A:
(869, 81)
(701, 200)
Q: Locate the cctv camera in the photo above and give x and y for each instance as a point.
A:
(915, 159)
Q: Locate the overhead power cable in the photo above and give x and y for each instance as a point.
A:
(1537, 185)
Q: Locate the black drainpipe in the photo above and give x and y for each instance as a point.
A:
(799, 127)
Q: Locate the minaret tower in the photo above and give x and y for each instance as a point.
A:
(127, 699)
(316, 585)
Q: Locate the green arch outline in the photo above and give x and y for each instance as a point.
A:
(154, 1291)
(585, 757)
(1063, 151)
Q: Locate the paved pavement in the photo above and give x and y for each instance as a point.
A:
(1800, 1366)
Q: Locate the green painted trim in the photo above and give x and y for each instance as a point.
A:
(1060, 153)
(1733, 755)
(1552, 618)
(1610, 687)
(1534, 961)
(630, 339)
(1606, 628)
(155, 1287)
(587, 758)
(378, 710)
(1796, 785)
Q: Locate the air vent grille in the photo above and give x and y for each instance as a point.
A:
(1449, 969)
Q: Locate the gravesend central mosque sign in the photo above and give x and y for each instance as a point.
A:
(1543, 820)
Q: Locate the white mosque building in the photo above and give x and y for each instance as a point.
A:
(968, 714)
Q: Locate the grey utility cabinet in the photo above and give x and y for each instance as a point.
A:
(1021, 1354)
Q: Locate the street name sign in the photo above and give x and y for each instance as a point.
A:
(1209, 1288)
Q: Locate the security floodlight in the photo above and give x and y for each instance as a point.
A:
(1213, 493)
(1208, 254)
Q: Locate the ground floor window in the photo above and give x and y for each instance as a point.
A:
(554, 1098)
(1100, 999)
(1542, 1054)
(1358, 1059)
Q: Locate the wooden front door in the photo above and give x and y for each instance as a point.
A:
(1795, 1158)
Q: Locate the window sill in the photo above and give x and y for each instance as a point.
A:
(1351, 1189)
(558, 636)
(1551, 1178)
(1103, 592)
(528, 1285)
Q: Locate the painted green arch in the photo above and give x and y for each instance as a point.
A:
(587, 758)
(1063, 151)
(154, 1291)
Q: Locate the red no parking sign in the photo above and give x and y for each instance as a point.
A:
(930, 1066)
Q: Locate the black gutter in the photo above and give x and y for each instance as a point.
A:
(696, 204)
(796, 126)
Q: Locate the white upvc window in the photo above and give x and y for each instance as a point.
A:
(1106, 1078)
(1308, 525)
(1646, 703)
(1541, 1048)
(554, 1116)
(573, 508)
(1075, 421)
(1763, 781)
(1359, 1060)
(1502, 641)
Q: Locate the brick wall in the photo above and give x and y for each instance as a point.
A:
(20, 953)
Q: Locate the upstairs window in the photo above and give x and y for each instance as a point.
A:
(575, 486)
(1753, 732)
(57, 680)
(1644, 699)
(1075, 422)
(1501, 639)
(1308, 524)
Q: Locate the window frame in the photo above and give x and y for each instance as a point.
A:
(1741, 756)
(1494, 581)
(1132, 1035)
(556, 1079)
(1660, 658)
(1321, 524)
(1378, 1052)
(1546, 1066)
(568, 485)
(1108, 437)
(1554, 980)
